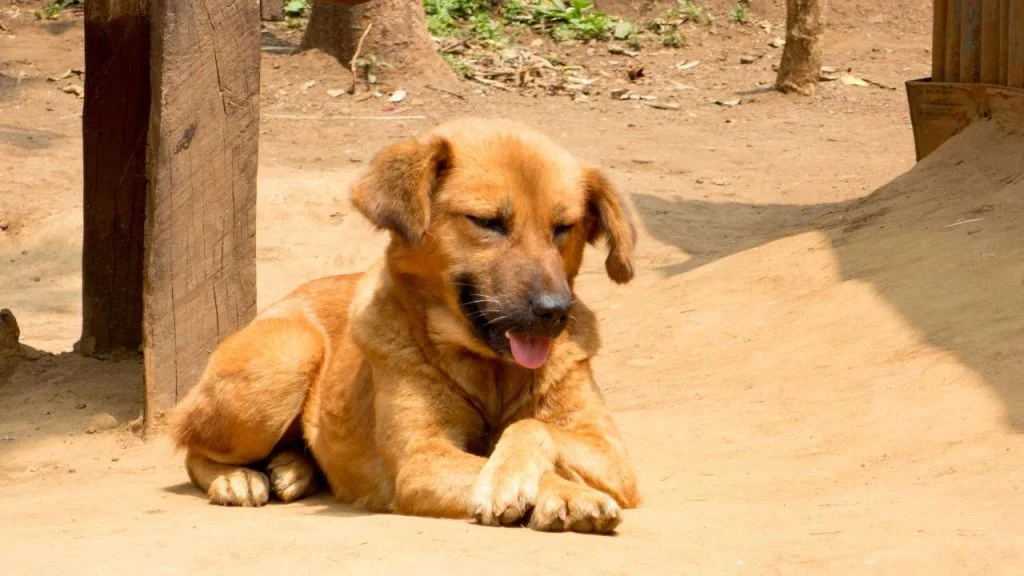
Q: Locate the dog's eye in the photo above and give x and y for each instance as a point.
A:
(561, 230)
(492, 224)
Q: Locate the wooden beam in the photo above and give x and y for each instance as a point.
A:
(970, 41)
(990, 41)
(939, 41)
(1004, 40)
(1015, 41)
(200, 265)
(952, 51)
(115, 119)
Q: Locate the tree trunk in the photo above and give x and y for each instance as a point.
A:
(398, 40)
(115, 120)
(801, 58)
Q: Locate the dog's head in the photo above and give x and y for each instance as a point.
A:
(492, 218)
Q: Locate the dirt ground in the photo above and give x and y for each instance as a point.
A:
(818, 369)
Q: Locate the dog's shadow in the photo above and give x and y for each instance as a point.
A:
(321, 500)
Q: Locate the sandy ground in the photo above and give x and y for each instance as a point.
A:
(817, 371)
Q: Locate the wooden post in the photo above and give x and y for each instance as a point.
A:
(990, 41)
(970, 41)
(939, 41)
(272, 10)
(115, 118)
(1004, 40)
(200, 261)
(952, 51)
(1015, 36)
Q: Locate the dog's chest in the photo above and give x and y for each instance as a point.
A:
(499, 401)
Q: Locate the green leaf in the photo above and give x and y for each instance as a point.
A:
(296, 8)
(623, 30)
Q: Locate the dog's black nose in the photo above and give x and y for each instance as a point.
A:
(552, 308)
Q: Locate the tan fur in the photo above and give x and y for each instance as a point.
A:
(381, 377)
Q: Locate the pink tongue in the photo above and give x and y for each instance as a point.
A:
(529, 351)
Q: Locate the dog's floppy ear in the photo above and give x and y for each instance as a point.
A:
(396, 191)
(609, 218)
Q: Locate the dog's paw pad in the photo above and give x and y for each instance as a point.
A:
(242, 487)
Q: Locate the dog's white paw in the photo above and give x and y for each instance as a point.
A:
(241, 487)
(568, 506)
(504, 494)
(292, 475)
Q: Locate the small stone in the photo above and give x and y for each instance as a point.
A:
(4, 225)
(335, 92)
(397, 96)
(643, 160)
(728, 103)
(748, 59)
(81, 406)
(100, 422)
(307, 85)
(36, 279)
(7, 438)
(663, 105)
(75, 89)
(777, 42)
(31, 354)
(619, 93)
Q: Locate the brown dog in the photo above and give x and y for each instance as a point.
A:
(454, 378)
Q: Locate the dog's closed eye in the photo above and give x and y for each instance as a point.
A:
(492, 224)
(561, 231)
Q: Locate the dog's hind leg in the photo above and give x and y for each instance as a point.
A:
(248, 402)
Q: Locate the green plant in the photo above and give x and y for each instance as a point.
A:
(445, 16)
(296, 8)
(576, 20)
(367, 67)
(485, 27)
(460, 67)
(739, 14)
(53, 9)
(688, 11)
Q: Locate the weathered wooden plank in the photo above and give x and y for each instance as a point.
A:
(939, 41)
(952, 51)
(115, 118)
(990, 41)
(1004, 40)
(970, 40)
(200, 267)
(1015, 43)
(272, 10)
(940, 110)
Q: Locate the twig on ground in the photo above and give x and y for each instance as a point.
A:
(488, 82)
(443, 91)
(355, 58)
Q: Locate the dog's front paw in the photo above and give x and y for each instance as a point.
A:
(240, 487)
(505, 492)
(564, 505)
